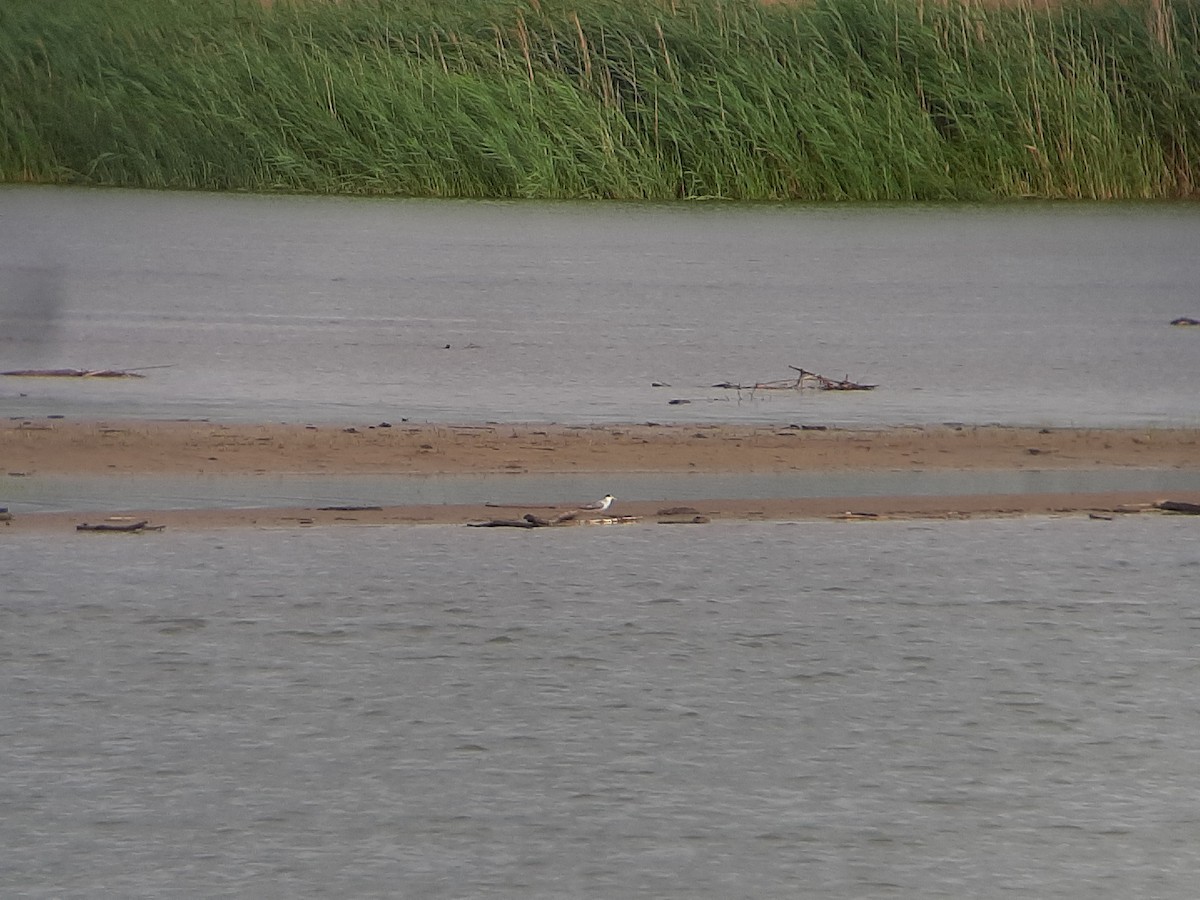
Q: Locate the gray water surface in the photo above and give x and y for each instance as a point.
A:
(839, 710)
(978, 709)
(67, 493)
(333, 309)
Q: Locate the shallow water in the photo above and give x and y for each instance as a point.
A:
(67, 493)
(301, 309)
(845, 710)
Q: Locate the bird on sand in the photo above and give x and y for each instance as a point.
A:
(600, 505)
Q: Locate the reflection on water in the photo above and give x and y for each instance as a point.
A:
(297, 309)
(974, 709)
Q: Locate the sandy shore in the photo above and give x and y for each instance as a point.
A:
(59, 447)
(1107, 506)
(49, 447)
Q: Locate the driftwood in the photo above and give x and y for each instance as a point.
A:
(1178, 506)
(829, 384)
(73, 373)
(529, 520)
(139, 525)
(805, 379)
(502, 523)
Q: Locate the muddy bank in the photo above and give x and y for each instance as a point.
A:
(1103, 506)
(60, 447)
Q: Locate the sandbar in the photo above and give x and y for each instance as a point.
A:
(60, 447)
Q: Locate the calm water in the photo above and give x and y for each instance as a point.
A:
(839, 710)
(286, 308)
(60, 493)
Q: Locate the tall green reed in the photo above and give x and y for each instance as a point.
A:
(829, 100)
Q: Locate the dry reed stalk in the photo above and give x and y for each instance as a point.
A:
(584, 54)
(523, 39)
(1162, 25)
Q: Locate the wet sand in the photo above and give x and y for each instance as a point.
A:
(49, 447)
(59, 447)
(1105, 506)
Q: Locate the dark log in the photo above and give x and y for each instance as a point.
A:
(502, 523)
(1178, 506)
(114, 526)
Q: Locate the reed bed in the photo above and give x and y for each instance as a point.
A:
(636, 99)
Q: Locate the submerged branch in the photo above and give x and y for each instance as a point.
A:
(805, 379)
(73, 373)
